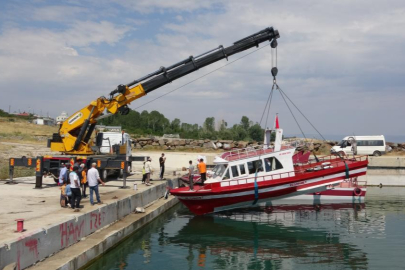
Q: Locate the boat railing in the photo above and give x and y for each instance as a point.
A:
(250, 151)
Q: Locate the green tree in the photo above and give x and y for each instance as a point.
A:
(209, 124)
(256, 133)
(245, 123)
(175, 125)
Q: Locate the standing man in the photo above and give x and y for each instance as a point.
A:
(75, 188)
(93, 178)
(203, 170)
(83, 179)
(191, 174)
(62, 175)
(148, 170)
(162, 161)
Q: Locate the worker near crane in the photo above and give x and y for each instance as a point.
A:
(75, 188)
(62, 175)
(93, 178)
(162, 161)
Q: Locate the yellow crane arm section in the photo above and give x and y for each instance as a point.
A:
(71, 127)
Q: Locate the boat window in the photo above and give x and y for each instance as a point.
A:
(272, 164)
(254, 166)
(235, 172)
(226, 175)
(219, 170)
(242, 169)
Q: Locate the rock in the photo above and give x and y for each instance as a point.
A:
(242, 144)
(143, 143)
(143, 139)
(227, 146)
(193, 143)
(219, 145)
(162, 142)
(138, 146)
(226, 141)
(175, 142)
(210, 145)
(155, 144)
(182, 142)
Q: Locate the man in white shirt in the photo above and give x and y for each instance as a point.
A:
(93, 178)
(75, 188)
(148, 170)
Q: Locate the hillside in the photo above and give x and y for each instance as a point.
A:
(19, 138)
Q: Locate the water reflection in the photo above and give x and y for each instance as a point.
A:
(328, 236)
(260, 238)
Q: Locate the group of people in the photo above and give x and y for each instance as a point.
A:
(70, 182)
(147, 170)
(202, 169)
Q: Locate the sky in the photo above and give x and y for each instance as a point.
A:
(341, 62)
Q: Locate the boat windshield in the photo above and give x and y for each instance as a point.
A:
(341, 143)
(219, 170)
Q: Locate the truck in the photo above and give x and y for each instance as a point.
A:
(73, 140)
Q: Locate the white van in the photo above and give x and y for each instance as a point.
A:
(366, 145)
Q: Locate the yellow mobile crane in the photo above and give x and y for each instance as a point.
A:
(73, 138)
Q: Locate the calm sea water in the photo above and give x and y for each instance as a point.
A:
(338, 236)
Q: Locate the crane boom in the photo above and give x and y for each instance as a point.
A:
(75, 132)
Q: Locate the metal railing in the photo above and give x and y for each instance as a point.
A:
(249, 152)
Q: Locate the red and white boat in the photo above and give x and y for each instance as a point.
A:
(258, 175)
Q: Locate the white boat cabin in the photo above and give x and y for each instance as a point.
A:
(245, 163)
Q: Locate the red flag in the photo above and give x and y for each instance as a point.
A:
(277, 124)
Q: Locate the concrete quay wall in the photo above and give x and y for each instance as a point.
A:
(34, 246)
(386, 162)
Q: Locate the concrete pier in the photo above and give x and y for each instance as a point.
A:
(47, 234)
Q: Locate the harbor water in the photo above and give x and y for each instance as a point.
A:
(327, 236)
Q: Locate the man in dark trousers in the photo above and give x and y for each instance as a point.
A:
(202, 167)
(75, 188)
(162, 161)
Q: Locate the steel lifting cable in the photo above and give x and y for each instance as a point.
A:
(281, 91)
(268, 103)
(282, 95)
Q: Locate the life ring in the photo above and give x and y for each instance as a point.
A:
(357, 191)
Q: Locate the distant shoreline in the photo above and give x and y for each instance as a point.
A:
(388, 138)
